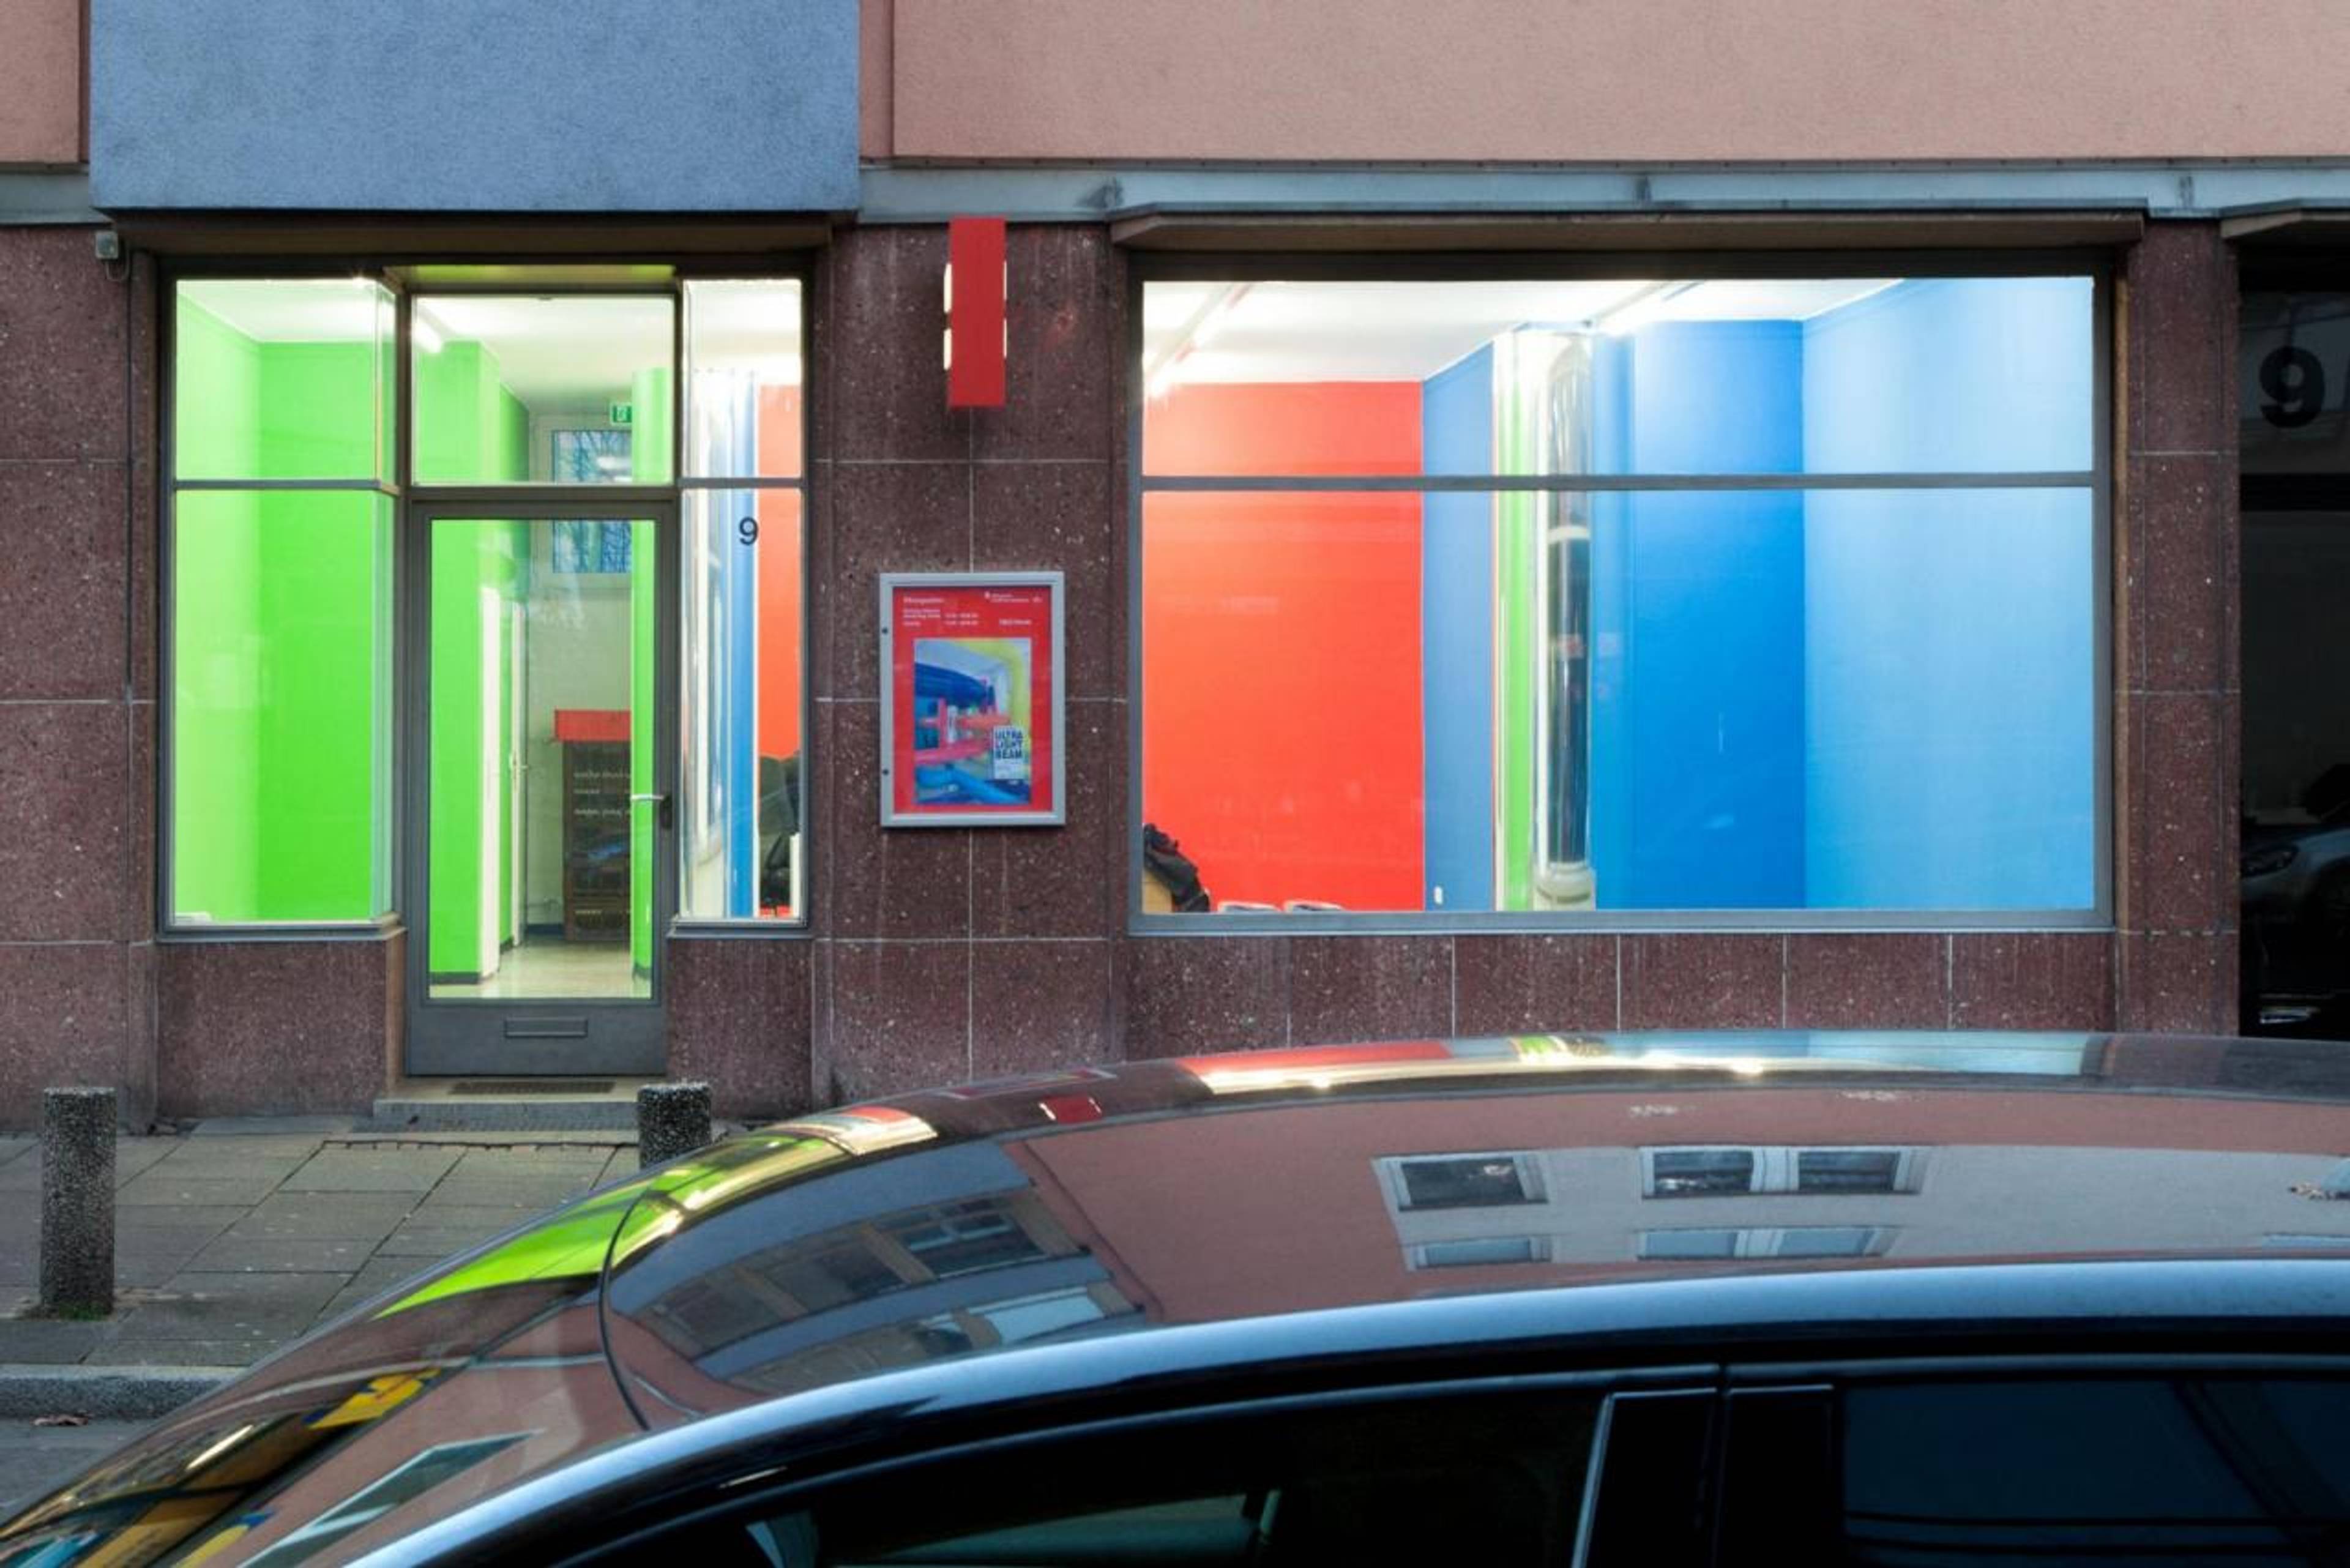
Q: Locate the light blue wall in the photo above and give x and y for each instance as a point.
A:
(473, 105)
(1698, 616)
(1456, 601)
(1949, 726)
(1952, 374)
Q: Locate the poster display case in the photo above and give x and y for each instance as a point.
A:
(971, 709)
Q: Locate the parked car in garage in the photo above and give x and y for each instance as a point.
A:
(1542, 1299)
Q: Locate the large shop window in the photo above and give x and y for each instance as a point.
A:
(290, 468)
(1766, 597)
(741, 711)
(280, 606)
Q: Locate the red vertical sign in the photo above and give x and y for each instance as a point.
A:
(975, 312)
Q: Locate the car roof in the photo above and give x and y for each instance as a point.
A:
(1126, 1200)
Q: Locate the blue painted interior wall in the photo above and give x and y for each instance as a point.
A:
(1700, 698)
(1806, 700)
(1949, 736)
(1456, 593)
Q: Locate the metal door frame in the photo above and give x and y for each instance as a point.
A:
(601, 1036)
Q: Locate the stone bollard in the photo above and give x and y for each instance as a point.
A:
(672, 1119)
(77, 1201)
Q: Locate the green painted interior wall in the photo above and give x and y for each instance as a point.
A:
(282, 635)
(468, 424)
(649, 462)
(283, 638)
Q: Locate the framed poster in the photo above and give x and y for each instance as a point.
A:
(972, 715)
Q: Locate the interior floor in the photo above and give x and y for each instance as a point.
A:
(549, 967)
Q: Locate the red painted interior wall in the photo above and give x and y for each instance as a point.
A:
(779, 574)
(1281, 659)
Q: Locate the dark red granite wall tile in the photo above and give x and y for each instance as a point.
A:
(885, 517)
(898, 1019)
(64, 781)
(2032, 979)
(62, 1021)
(1346, 989)
(145, 607)
(138, 1071)
(64, 348)
(1529, 985)
(2181, 851)
(1056, 516)
(2182, 513)
(1064, 316)
(249, 1028)
(2179, 981)
(145, 367)
(1061, 881)
(888, 317)
(2180, 325)
(63, 526)
(1703, 981)
(739, 1019)
(1041, 1004)
(1868, 980)
(877, 881)
(1188, 995)
(142, 802)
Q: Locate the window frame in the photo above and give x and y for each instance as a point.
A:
(2095, 266)
(1776, 1170)
(403, 274)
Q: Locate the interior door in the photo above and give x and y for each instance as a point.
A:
(540, 788)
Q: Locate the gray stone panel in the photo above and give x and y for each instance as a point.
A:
(480, 105)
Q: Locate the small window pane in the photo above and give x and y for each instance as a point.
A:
(1473, 1181)
(1825, 1241)
(514, 389)
(1877, 700)
(741, 713)
(1677, 1245)
(1701, 1172)
(1477, 1252)
(1847, 1171)
(282, 706)
(744, 399)
(288, 379)
(1619, 376)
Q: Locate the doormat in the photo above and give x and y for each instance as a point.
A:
(531, 1087)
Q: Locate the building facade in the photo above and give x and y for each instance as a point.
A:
(1623, 516)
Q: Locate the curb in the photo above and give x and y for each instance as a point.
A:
(106, 1393)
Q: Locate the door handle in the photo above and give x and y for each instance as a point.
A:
(666, 816)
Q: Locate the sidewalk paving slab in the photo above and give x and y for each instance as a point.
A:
(156, 1186)
(283, 1215)
(350, 1170)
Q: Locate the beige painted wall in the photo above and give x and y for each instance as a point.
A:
(1608, 80)
(40, 82)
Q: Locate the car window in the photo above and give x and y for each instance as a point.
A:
(2240, 1470)
(1496, 1478)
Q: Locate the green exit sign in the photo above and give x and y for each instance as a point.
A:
(622, 413)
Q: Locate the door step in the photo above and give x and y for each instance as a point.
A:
(506, 1105)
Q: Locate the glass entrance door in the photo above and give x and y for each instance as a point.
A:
(540, 792)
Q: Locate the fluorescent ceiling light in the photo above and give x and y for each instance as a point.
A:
(427, 336)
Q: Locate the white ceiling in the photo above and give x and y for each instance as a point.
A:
(558, 354)
(1409, 332)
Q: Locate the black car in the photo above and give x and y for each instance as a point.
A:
(1883, 1299)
